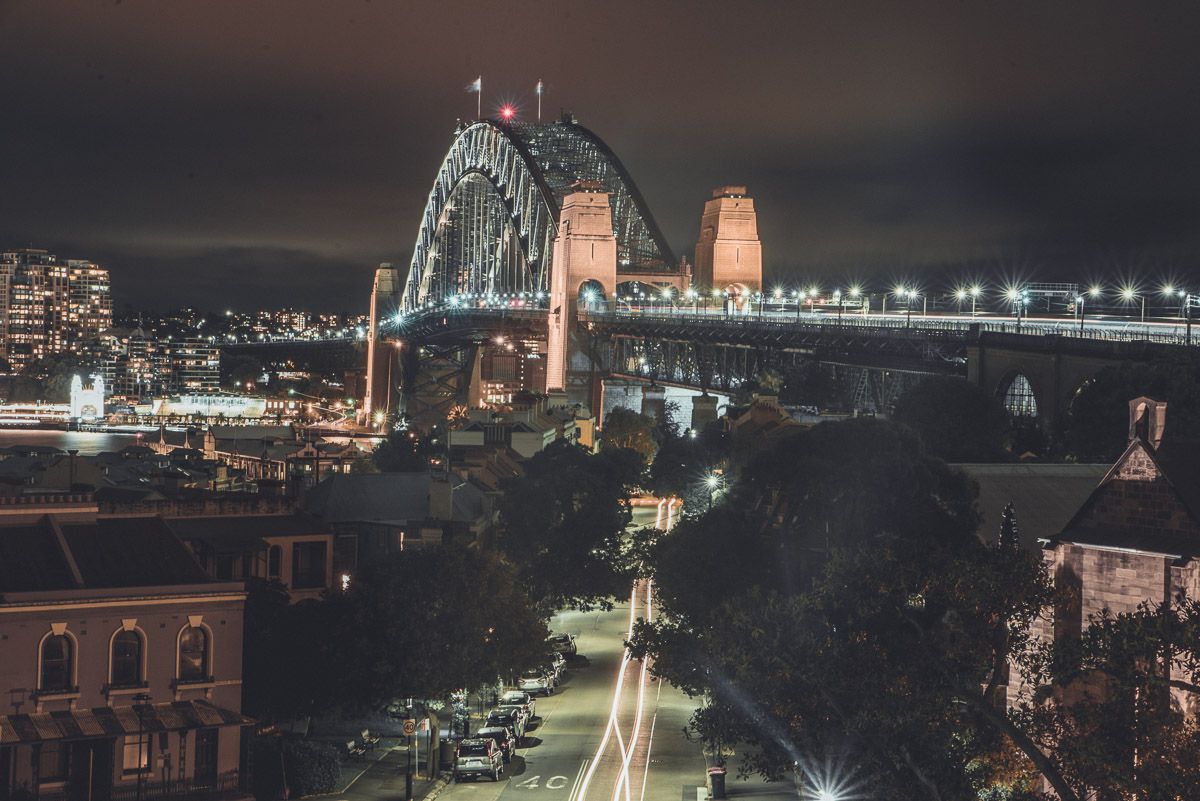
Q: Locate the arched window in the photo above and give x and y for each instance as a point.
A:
(193, 654)
(1019, 399)
(274, 561)
(58, 664)
(126, 659)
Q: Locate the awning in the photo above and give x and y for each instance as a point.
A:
(115, 722)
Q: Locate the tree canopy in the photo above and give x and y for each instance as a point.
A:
(625, 428)
(1098, 423)
(428, 621)
(562, 524)
(957, 420)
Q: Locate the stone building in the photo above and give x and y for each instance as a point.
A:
(1136, 538)
(120, 660)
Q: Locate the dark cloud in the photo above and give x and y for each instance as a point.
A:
(272, 152)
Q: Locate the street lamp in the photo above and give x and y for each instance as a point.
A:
(713, 482)
(1129, 294)
(143, 699)
(1081, 303)
(909, 296)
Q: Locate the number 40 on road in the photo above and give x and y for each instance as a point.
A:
(553, 783)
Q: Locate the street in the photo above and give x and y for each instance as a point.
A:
(610, 732)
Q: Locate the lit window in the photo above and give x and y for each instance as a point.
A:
(193, 654)
(137, 753)
(1019, 399)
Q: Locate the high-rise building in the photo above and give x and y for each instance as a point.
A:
(48, 305)
(90, 309)
(195, 366)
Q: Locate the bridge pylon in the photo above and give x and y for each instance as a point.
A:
(585, 272)
(729, 253)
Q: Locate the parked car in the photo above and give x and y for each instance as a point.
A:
(519, 711)
(535, 681)
(510, 718)
(504, 738)
(563, 644)
(520, 697)
(477, 757)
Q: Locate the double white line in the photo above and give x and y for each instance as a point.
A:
(665, 520)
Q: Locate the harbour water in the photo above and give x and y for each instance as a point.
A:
(87, 442)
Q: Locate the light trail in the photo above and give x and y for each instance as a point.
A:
(612, 714)
(665, 520)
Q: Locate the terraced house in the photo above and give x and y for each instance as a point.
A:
(120, 659)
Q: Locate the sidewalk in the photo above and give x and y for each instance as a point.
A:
(380, 776)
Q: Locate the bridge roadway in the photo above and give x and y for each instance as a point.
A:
(461, 320)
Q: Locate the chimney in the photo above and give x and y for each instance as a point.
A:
(1147, 419)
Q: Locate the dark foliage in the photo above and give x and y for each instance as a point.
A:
(1098, 423)
(562, 524)
(957, 420)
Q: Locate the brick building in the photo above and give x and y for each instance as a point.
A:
(120, 659)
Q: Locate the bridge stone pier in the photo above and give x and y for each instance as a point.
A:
(585, 271)
(728, 253)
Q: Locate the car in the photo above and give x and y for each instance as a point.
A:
(510, 718)
(563, 644)
(535, 681)
(503, 737)
(520, 697)
(517, 710)
(478, 756)
(523, 698)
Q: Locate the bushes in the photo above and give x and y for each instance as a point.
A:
(311, 768)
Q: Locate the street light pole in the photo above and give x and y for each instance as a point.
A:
(140, 698)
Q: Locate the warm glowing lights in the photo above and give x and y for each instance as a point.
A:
(507, 112)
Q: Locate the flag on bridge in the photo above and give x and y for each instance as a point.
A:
(539, 91)
(476, 86)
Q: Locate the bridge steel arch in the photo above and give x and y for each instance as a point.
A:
(530, 168)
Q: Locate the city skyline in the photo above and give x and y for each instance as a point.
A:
(1028, 142)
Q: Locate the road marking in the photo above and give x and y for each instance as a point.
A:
(531, 782)
(578, 778)
(556, 782)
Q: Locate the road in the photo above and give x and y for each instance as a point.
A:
(611, 732)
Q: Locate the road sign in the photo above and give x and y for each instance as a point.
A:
(410, 727)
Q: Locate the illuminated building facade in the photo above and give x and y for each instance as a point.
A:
(48, 305)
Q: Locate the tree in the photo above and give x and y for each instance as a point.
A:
(278, 637)
(625, 428)
(1112, 707)
(48, 379)
(402, 452)
(562, 524)
(421, 623)
(957, 420)
(682, 463)
(239, 370)
(857, 609)
(1097, 426)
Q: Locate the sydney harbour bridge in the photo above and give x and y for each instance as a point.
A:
(536, 234)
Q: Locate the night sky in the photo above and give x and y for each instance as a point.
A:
(271, 153)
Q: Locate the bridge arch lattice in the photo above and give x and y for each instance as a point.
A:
(492, 213)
